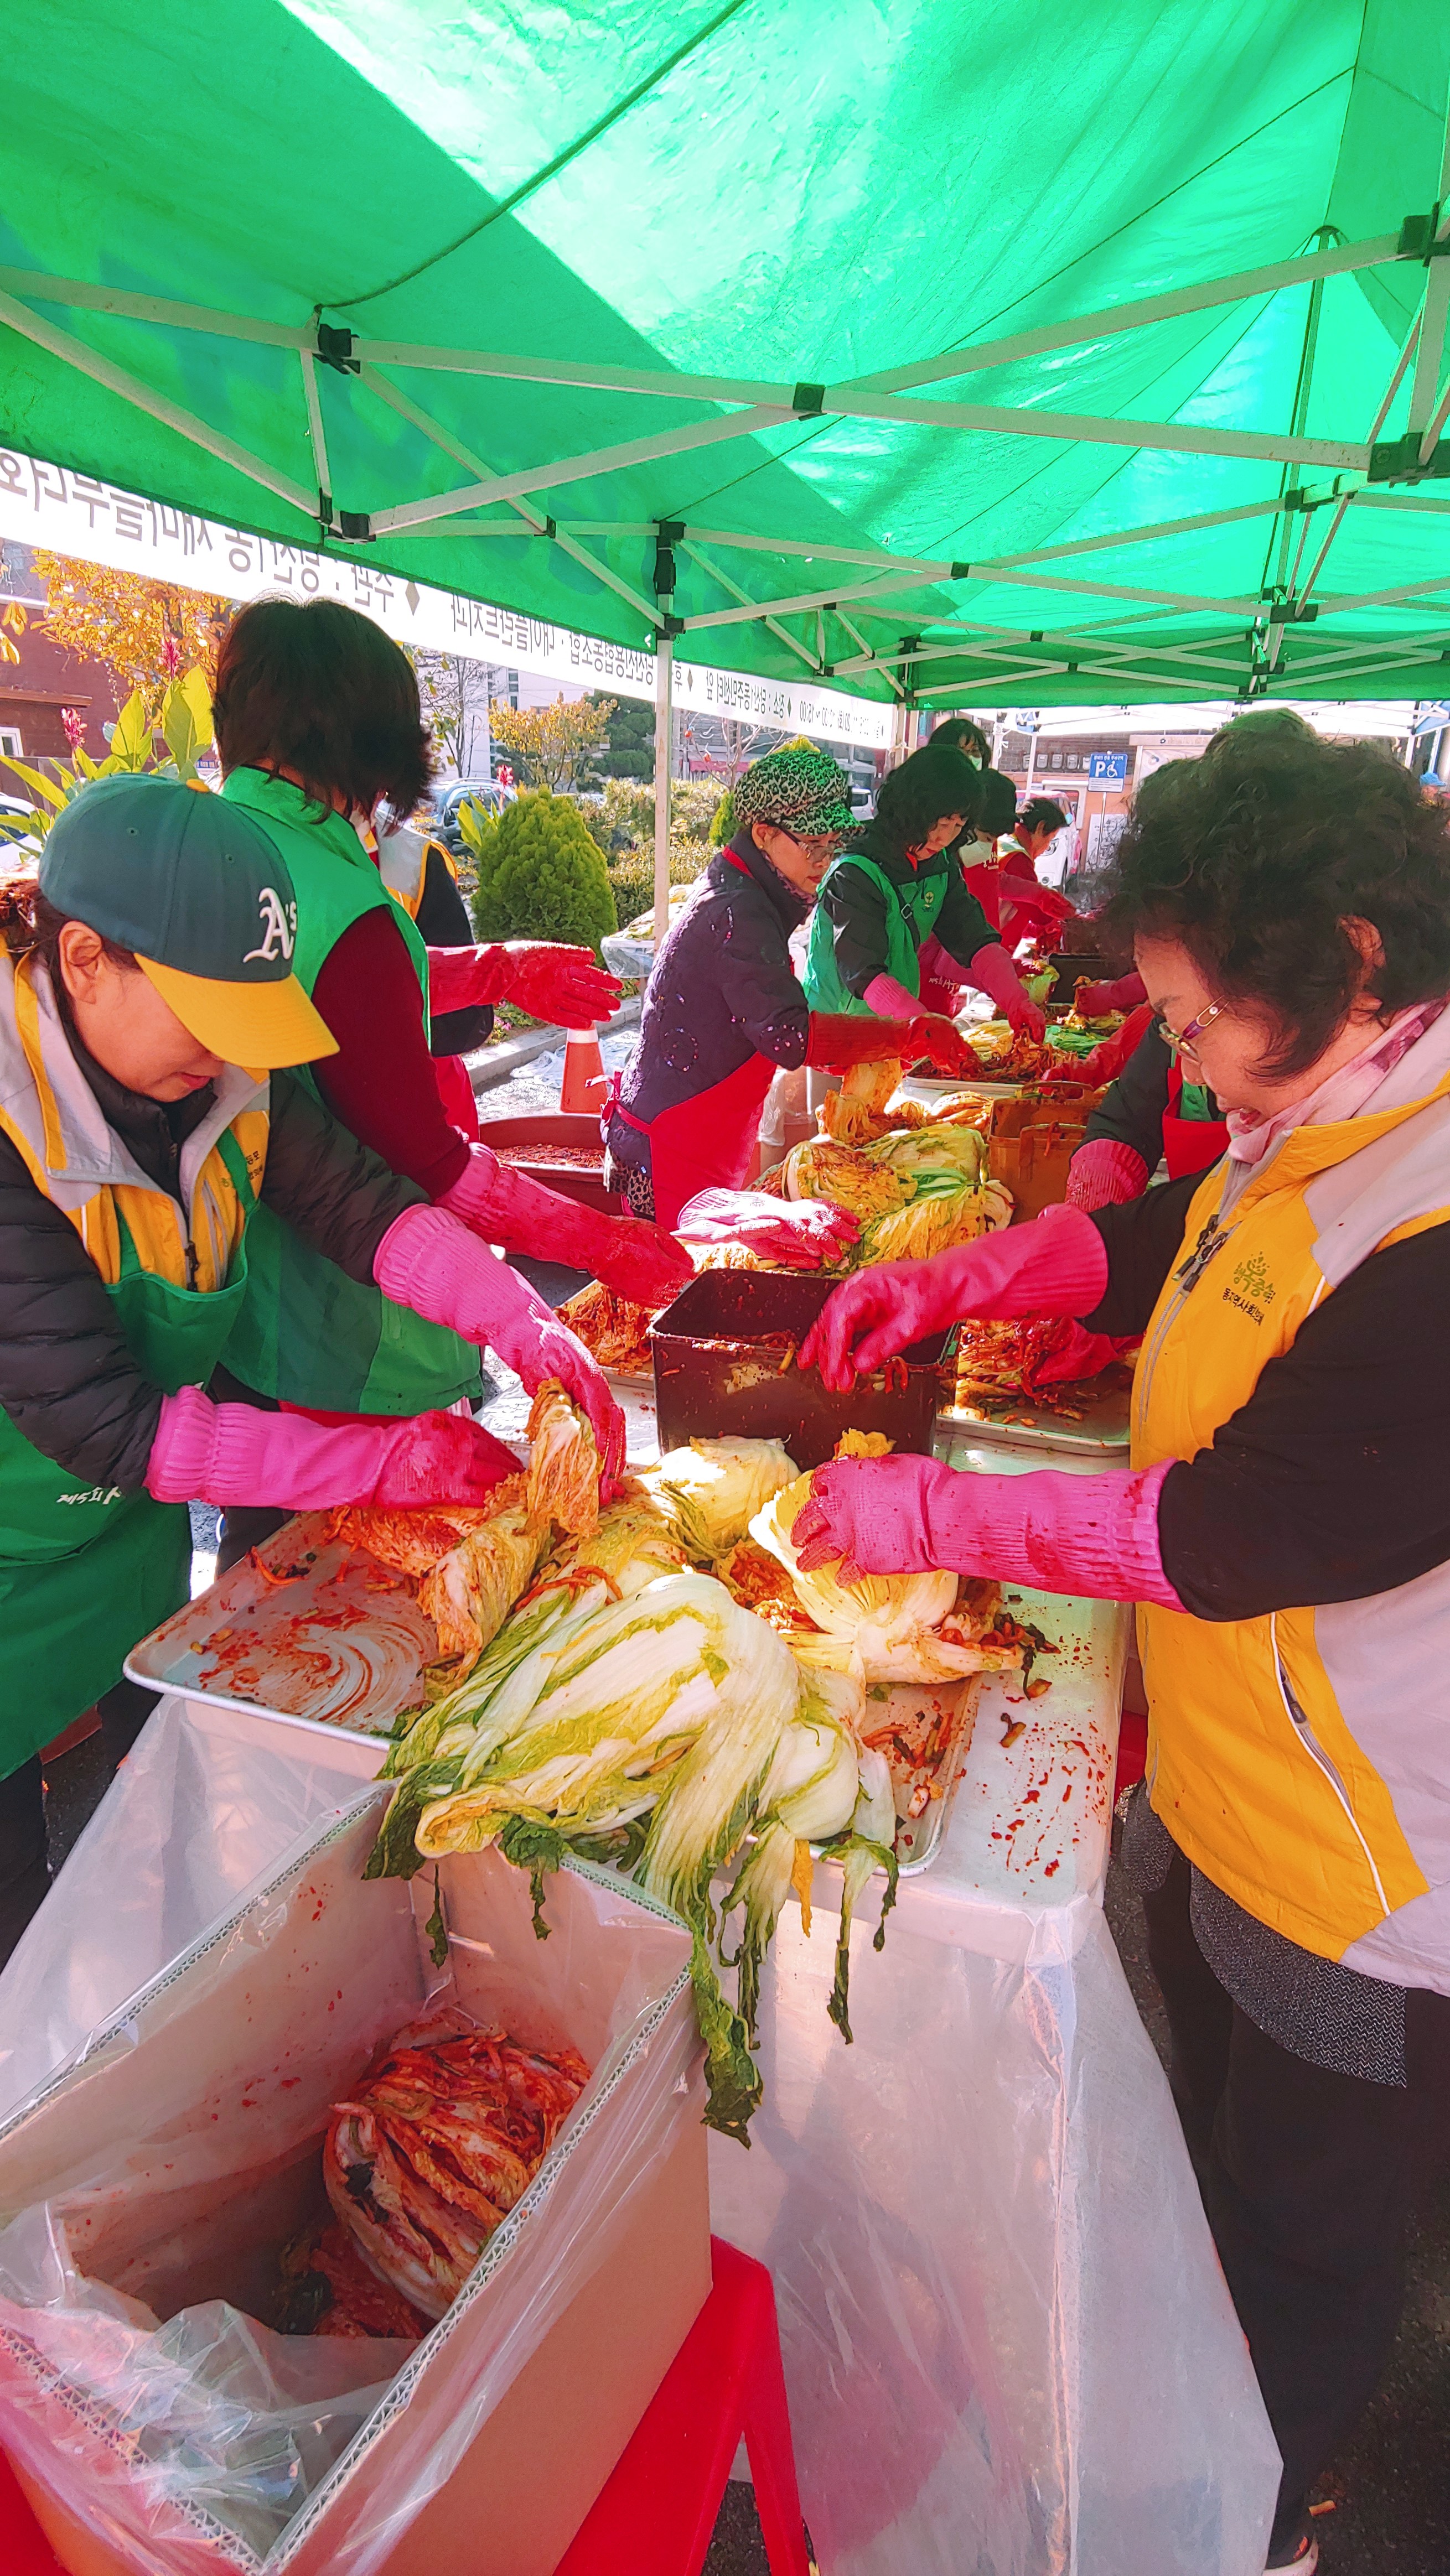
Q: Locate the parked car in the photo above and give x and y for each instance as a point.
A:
(477, 791)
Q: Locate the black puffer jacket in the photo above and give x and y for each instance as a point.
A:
(67, 1378)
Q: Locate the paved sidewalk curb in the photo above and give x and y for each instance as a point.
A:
(493, 1065)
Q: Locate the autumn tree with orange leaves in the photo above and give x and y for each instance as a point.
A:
(148, 633)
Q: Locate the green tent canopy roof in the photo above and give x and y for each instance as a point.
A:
(981, 349)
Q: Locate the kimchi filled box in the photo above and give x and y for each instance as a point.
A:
(161, 2423)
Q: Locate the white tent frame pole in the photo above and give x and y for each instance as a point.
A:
(1240, 288)
(854, 631)
(315, 430)
(726, 580)
(199, 433)
(664, 725)
(534, 519)
(1407, 351)
(894, 584)
(1431, 351)
(577, 469)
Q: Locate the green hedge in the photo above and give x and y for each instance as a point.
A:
(541, 875)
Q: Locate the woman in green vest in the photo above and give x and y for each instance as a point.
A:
(318, 724)
(897, 886)
(146, 985)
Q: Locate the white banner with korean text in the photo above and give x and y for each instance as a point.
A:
(73, 514)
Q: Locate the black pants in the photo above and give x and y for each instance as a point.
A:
(1308, 2180)
(24, 1861)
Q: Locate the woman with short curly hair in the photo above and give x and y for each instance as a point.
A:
(1285, 1528)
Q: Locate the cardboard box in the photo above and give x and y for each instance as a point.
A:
(183, 2150)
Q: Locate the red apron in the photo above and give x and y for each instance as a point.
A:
(1189, 1144)
(705, 1142)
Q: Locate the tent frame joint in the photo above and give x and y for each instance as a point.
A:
(1398, 460)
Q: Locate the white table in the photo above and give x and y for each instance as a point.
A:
(1008, 2345)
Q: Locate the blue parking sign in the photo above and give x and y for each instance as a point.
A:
(1107, 768)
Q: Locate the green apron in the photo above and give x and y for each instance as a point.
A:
(307, 1334)
(910, 913)
(85, 1570)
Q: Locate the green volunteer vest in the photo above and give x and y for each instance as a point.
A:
(87, 1570)
(911, 912)
(306, 1333)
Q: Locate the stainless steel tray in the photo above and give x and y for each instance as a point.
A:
(305, 1630)
(1103, 1425)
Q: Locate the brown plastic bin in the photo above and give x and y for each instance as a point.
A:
(556, 1127)
(717, 1377)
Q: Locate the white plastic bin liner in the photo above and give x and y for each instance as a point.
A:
(145, 2194)
(1009, 2347)
(206, 1802)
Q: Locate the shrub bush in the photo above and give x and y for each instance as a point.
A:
(541, 875)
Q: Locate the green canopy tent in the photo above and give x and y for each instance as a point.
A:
(955, 351)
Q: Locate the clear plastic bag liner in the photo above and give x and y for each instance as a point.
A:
(207, 1801)
(1008, 2345)
(145, 2194)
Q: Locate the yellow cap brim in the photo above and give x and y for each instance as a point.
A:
(260, 1026)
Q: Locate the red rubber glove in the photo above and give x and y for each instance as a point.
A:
(842, 1038)
(234, 1453)
(1123, 994)
(804, 1234)
(637, 1260)
(1057, 1265)
(1091, 1535)
(993, 974)
(428, 1261)
(1104, 1173)
(1110, 1055)
(540, 976)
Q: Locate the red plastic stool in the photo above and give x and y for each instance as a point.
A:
(24, 2549)
(657, 2512)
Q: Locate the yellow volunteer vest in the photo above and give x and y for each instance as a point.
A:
(1302, 1760)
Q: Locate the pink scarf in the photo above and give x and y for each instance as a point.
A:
(1343, 1095)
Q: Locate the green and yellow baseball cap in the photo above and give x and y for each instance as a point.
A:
(200, 894)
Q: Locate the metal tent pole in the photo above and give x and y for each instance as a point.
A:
(664, 728)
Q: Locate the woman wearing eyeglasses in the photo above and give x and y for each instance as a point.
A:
(723, 1007)
(1284, 1529)
(897, 891)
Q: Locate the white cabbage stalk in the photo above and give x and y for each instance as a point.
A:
(605, 1700)
(809, 1795)
(710, 1490)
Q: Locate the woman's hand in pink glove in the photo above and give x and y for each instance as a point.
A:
(236, 1453)
(430, 1261)
(552, 982)
(1105, 1173)
(993, 973)
(1057, 1265)
(1092, 1535)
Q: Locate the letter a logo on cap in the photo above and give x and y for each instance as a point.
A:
(278, 931)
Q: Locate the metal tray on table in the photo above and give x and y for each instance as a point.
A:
(305, 1630)
(1101, 1430)
(938, 1717)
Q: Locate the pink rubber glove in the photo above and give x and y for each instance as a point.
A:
(929, 1034)
(1057, 1265)
(993, 974)
(234, 1453)
(549, 981)
(428, 1261)
(1091, 1535)
(890, 1000)
(1123, 994)
(637, 1260)
(804, 1234)
(1104, 1172)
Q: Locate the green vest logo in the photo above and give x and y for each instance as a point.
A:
(1251, 1288)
